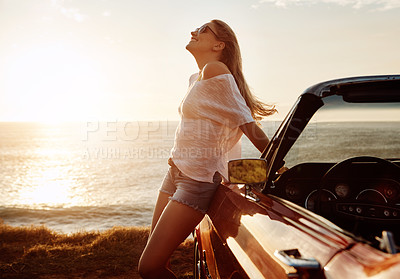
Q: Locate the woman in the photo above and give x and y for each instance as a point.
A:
(215, 112)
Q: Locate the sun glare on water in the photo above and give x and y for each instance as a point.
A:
(50, 193)
(50, 187)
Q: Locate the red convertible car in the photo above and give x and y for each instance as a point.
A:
(335, 211)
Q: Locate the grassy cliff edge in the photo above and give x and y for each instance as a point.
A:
(38, 252)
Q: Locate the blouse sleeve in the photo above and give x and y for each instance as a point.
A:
(222, 102)
(193, 78)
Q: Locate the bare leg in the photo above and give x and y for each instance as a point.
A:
(175, 223)
(161, 203)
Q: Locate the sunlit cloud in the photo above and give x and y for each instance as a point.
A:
(381, 5)
(72, 13)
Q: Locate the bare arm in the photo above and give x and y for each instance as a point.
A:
(256, 135)
(259, 139)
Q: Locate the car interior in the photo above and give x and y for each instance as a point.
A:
(345, 166)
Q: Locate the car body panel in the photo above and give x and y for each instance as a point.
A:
(247, 234)
(363, 261)
(255, 231)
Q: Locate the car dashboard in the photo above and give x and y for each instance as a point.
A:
(362, 197)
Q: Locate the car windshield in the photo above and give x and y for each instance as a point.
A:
(340, 130)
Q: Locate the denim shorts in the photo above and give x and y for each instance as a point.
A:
(185, 190)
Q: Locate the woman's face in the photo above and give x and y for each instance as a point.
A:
(203, 39)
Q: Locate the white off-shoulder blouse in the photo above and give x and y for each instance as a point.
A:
(208, 134)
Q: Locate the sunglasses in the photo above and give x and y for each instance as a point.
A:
(203, 29)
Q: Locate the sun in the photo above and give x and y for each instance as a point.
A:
(52, 82)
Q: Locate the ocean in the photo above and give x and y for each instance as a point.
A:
(96, 175)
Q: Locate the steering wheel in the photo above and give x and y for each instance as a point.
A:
(353, 209)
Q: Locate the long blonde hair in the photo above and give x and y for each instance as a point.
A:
(232, 58)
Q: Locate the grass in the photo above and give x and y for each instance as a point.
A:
(38, 252)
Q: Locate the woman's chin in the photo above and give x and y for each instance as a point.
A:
(189, 47)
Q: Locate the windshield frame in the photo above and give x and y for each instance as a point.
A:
(312, 100)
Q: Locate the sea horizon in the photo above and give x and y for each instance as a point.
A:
(94, 177)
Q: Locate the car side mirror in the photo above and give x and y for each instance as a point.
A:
(247, 171)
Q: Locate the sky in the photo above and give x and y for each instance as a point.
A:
(79, 60)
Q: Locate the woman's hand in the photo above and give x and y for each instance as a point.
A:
(282, 170)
